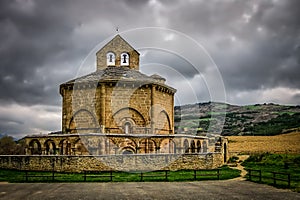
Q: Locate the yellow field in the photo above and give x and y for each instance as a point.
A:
(285, 143)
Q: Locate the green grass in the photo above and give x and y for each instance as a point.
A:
(216, 113)
(268, 163)
(181, 175)
(252, 107)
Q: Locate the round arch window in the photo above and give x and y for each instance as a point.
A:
(127, 128)
(124, 59)
(110, 59)
(126, 152)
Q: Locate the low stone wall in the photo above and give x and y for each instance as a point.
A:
(113, 162)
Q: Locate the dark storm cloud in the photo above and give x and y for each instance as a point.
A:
(272, 57)
(39, 38)
(168, 59)
(31, 35)
(42, 45)
(296, 98)
(255, 44)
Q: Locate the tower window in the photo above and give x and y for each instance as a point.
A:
(124, 59)
(110, 59)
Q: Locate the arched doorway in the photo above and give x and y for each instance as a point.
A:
(193, 147)
(198, 146)
(225, 153)
(35, 147)
(128, 151)
(50, 147)
(186, 146)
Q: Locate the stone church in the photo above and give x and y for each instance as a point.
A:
(118, 110)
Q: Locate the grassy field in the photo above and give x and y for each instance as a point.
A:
(285, 143)
(280, 153)
(269, 163)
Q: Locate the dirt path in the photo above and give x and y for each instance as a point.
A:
(242, 158)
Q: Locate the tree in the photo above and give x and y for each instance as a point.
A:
(9, 147)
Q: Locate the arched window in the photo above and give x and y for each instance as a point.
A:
(126, 152)
(127, 127)
(35, 147)
(186, 146)
(198, 146)
(124, 59)
(193, 146)
(110, 59)
(50, 147)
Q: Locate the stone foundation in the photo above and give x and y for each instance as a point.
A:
(113, 162)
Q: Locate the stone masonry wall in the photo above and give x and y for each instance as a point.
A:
(116, 162)
(78, 106)
(82, 109)
(119, 97)
(165, 103)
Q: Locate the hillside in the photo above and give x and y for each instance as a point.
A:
(258, 119)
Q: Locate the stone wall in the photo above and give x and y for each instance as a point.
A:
(114, 162)
(81, 110)
(148, 106)
(127, 102)
(165, 104)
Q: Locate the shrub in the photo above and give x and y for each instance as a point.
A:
(233, 159)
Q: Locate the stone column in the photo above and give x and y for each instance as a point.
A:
(153, 109)
(102, 107)
(102, 150)
(64, 110)
(43, 150)
(172, 119)
(27, 151)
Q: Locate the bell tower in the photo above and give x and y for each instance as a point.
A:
(116, 53)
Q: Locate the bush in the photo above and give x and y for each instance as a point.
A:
(233, 159)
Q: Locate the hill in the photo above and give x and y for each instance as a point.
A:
(258, 119)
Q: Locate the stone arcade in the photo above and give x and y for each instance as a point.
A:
(117, 110)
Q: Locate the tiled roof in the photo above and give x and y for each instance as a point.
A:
(118, 74)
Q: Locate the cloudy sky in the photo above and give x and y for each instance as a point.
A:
(254, 45)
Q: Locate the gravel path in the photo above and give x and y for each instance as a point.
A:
(227, 189)
(242, 158)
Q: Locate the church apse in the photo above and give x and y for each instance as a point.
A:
(117, 97)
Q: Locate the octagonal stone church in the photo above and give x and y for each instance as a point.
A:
(117, 110)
